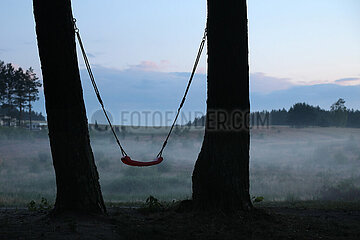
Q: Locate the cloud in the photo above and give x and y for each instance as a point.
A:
(139, 89)
(348, 81)
(313, 82)
(320, 94)
(261, 83)
(124, 90)
(150, 66)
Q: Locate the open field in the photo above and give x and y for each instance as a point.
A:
(286, 164)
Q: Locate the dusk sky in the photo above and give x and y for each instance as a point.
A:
(291, 42)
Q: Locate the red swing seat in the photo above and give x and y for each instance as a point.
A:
(128, 161)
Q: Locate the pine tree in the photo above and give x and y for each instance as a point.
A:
(221, 173)
(32, 91)
(20, 81)
(2, 82)
(77, 178)
(9, 89)
(339, 113)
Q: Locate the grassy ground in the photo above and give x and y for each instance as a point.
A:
(300, 220)
(308, 177)
(287, 164)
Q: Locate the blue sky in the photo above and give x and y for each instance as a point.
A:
(292, 43)
(308, 41)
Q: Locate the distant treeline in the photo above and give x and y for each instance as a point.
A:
(304, 115)
(19, 89)
(14, 113)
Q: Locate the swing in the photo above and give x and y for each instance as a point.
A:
(125, 158)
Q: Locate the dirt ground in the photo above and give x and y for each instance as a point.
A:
(266, 222)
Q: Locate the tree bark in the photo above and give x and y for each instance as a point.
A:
(221, 173)
(30, 119)
(20, 114)
(77, 179)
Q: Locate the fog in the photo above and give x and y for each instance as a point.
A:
(286, 164)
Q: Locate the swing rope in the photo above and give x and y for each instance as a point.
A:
(202, 44)
(88, 67)
(126, 159)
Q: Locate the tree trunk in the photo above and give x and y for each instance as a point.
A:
(20, 114)
(30, 120)
(77, 179)
(221, 174)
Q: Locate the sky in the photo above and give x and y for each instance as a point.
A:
(292, 43)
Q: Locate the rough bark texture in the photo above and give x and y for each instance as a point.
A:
(77, 178)
(221, 174)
